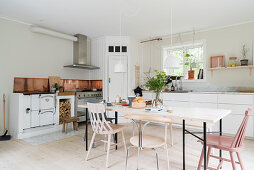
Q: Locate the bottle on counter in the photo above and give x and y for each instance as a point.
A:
(172, 87)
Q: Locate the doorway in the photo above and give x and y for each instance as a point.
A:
(117, 81)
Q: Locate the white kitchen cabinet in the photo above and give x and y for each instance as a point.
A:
(203, 98)
(176, 103)
(235, 99)
(232, 122)
(184, 97)
(236, 102)
(35, 118)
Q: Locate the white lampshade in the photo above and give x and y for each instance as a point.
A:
(171, 62)
(119, 68)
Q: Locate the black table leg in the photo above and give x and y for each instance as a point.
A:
(116, 121)
(183, 144)
(204, 128)
(86, 134)
(220, 135)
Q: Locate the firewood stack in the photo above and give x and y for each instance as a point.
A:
(64, 110)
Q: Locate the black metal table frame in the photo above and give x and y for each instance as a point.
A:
(204, 141)
(86, 131)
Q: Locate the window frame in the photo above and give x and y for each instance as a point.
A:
(187, 44)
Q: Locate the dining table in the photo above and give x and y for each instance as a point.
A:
(178, 115)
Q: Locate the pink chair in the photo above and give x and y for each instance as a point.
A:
(227, 144)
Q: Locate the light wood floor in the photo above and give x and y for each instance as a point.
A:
(69, 153)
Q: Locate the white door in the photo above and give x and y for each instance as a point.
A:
(46, 117)
(117, 81)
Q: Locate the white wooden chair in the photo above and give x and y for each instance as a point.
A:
(148, 142)
(102, 127)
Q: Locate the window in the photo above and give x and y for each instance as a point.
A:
(197, 60)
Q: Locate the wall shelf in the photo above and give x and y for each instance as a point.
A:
(250, 67)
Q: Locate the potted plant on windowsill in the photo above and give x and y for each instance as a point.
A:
(244, 61)
(189, 62)
(156, 84)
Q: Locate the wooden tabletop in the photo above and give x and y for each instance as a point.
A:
(209, 115)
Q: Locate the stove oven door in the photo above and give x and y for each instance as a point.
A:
(47, 102)
(81, 112)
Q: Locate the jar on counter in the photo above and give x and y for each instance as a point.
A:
(232, 62)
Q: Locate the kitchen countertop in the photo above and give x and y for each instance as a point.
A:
(31, 93)
(205, 92)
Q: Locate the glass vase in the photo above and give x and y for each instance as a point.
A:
(157, 101)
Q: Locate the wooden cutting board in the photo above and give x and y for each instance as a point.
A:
(53, 80)
(66, 93)
(245, 90)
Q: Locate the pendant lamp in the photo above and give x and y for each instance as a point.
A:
(171, 61)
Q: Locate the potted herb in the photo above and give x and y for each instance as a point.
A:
(244, 61)
(156, 83)
(189, 62)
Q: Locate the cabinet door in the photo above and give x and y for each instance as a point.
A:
(26, 111)
(46, 117)
(203, 98)
(232, 122)
(176, 96)
(176, 103)
(34, 118)
(236, 99)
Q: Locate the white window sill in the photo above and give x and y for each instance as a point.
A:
(195, 81)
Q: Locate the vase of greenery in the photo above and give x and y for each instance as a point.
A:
(244, 61)
(189, 62)
(156, 83)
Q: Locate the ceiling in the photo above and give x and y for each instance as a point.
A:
(140, 18)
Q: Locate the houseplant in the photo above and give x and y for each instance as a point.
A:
(244, 61)
(189, 62)
(156, 83)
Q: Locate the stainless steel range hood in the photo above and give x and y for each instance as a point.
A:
(81, 59)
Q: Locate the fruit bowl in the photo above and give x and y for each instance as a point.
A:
(137, 105)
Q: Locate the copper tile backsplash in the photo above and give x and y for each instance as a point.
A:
(21, 84)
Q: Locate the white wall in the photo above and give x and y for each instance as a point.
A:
(225, 41)
(27, 54)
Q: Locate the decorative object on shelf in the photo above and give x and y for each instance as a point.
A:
(190, 62)
(201, 74)
(156, 83)
(244, 61)
(232, 62)
(217, 61)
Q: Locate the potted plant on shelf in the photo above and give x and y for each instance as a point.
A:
(244, 61)
(189, 62)
(156, 84)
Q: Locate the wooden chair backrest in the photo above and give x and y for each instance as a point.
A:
(239, 137)
(97, 118)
